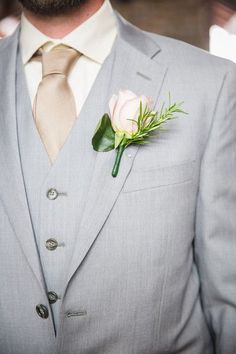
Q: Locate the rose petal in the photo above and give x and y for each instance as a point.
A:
(130, 110)
(123, 97)
(125, 106)
(112, 104)
(129, 95)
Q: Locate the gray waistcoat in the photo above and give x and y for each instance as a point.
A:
(70, 175)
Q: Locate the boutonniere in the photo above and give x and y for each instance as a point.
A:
(131, 121)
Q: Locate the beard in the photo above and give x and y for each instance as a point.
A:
(51, 7)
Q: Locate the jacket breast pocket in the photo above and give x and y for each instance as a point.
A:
(159, 177)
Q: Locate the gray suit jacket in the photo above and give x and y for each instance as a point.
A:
(153, 269)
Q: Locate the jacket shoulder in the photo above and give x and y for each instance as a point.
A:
(176, 52)
(183, 52)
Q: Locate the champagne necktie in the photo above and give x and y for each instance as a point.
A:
(54, 104)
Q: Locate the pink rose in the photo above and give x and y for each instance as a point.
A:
(126, 106)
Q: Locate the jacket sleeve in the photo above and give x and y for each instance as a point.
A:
(215, 241)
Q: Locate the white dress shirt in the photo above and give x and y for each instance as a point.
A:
(94, 39)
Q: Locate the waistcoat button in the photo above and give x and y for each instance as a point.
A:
(42, 311)
(52, 297)
(52, 194)
(51, 244)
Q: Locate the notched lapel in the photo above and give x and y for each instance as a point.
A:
(140, 73)
(12, 190)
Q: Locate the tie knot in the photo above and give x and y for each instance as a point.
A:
(59, 60)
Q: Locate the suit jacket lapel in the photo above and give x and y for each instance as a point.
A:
(12, 190)
(136, 70)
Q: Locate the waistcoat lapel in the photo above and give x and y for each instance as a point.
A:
(134, 68)
(12, 189)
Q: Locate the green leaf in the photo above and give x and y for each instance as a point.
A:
(104, 136)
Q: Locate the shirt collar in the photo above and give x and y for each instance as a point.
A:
(93, 38)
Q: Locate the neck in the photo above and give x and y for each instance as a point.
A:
(59, 26)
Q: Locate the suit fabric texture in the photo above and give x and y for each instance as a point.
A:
(151, 264)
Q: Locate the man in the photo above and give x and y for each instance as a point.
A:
(141, 263)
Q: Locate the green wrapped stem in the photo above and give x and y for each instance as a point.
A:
(117, 161)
